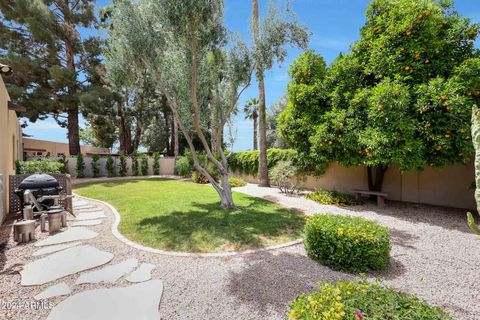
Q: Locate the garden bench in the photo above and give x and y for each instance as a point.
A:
(380, 196)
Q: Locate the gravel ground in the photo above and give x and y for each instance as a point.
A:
(433, 256)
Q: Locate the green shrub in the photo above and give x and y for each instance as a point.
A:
(347, 243)
(123, 166)
(95, 168)
(197, 177)
(357, 300)
(285, 176)
(63, 160)
(144, 167)
(38, 166)
(80, 166)
(333, 198)
(110, 166)
(134, 164)
(236, 182)
(156, 163)
(184, 167)
(247, 162)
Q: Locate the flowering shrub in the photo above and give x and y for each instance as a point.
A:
(359, 300)
(347, 243)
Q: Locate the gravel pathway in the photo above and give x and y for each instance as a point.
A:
(433, 256)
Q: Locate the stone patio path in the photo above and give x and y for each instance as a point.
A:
(434, 256)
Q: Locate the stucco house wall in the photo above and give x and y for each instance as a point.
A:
(10, 146)
(39, 148)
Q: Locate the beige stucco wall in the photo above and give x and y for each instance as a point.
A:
(449, 186)
(56, 148)
(10, 146)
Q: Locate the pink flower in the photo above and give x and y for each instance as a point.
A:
(359, 314)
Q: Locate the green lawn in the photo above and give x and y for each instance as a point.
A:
(183, 216)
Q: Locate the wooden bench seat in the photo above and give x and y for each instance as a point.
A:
(380, 195)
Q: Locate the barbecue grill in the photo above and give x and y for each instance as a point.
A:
(40, 192)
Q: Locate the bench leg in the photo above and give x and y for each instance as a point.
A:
(380, 201)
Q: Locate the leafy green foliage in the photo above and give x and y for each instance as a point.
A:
(80, 167)
(38, 166)
(351, 244)
(402, 96)
(285, 176)
(236, 182)
(197, 177)
(247, 162)
(134, 158)
(144, 165)
(183, 166)
(94, 164)
(64, 161)
(55, 64)
(356, 300)
(156, 163)
(122, 166)
(333, 198)
(110, 166)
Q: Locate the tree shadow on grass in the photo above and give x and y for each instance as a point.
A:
(209, 228)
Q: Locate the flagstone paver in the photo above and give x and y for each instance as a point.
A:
(94, 215)
(60, 289)
(138, 301)
(109, 274)
(54, 248)
(69, 235)
(63, 263)
(85, 223)
(143, 273)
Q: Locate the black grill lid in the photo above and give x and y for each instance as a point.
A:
(38, 181)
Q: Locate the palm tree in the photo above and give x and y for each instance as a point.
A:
(251, 112)
(262, 117)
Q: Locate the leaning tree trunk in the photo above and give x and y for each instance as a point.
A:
(262, 123)
(375, 182)
(476, 144)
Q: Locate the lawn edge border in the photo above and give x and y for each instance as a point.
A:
(138, 246)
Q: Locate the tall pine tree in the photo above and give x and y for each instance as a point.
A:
(54, 64)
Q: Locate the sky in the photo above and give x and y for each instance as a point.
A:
(333, 24)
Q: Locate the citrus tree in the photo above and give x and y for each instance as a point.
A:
(400, 97)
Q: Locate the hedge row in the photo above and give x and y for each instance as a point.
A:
(247, 162)
(37, 166)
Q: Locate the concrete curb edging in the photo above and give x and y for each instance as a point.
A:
(138, 246)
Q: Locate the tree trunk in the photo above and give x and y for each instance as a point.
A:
(171, 151)
(262, 123)
(375, 183)
(223, 190)
(255, 117)
(72, 110)
(121, 130)
(176, 149)
(73, 132)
